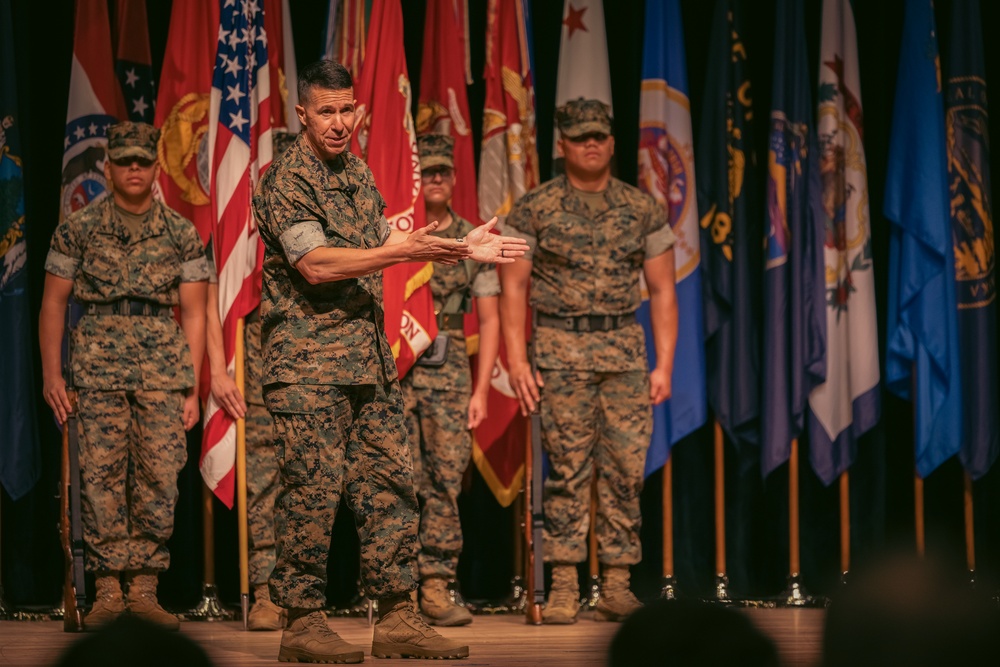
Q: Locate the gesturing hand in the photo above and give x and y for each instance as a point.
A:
(422, 246)
(493, 248)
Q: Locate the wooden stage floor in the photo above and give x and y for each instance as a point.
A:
(501, 641)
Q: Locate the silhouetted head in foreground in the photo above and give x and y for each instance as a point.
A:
(683, 633)
(130, 641)
(905, 611)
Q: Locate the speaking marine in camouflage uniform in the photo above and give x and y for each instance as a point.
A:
(442, 405)
(330, 379)
(262, 467)
(128, 260)
(591, 239)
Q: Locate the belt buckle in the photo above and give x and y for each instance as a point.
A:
(608, 322)
(136, 308)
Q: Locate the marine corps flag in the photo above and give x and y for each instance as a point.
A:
(95, 102)
(384, 137)
(731, 231)
(508, 167)
(444, 104)
(966, 121)
(182, 111)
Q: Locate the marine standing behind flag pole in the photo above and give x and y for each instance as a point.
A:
(922, 335)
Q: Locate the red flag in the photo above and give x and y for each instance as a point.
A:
(95, 102)
(133, 63)
(385, 139)
(444, 104)
(182, 111)
(240, 140)
(508, 167)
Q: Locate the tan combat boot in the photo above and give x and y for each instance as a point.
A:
(308, 638)
(437, 604)
(401, 633)
(564, 599)
(617, 600)
(265, 615)
(141, 601)
(108, 603)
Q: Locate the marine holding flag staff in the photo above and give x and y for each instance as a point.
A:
(590, 236)
(330, 380)
(442, 405)
(128, 260)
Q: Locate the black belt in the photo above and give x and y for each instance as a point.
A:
(451, 320)
(130, 307)
(585, 322)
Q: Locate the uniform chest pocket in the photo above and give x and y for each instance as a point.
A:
(623, 235)
(158, 277)
(567, 239)
(103, 270)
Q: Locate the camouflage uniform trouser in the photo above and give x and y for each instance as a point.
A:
(441, 447)
(262, 487)
(594, 419)
(132, 447)
(333, 437)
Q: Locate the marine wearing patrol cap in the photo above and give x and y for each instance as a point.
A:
(129, 139)
(436, 150)
(580, 116)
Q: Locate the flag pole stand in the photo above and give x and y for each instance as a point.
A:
(845, 527)
(795, 594)
(593, 566)
(241, 483)
(721, 580)
(209, 608)
(669, 589)
(970, 529)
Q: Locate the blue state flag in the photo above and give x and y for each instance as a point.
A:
(20, 457)
(666, 171)
(967, 121)
(731, 231)
(922, 336)
(794, 351)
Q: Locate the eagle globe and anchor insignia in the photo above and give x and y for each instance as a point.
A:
(183, 149)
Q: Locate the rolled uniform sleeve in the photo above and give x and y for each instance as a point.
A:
(519, 224)
(302, 238)
(661, 239)
(383, 230)
(64, 255)
(486, 282)
(289, 213)
(194, 264)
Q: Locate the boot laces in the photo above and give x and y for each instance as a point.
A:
(564, 597)
(317, 621)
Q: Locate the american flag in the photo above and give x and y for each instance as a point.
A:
(240, 150)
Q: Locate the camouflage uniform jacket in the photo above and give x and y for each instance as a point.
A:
(582, 265)
(332, 333)
(95, 250)
(455, 374)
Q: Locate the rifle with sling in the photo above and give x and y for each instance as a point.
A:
(71, 523)
(534, 514)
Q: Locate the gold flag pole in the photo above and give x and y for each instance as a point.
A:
(721, 580)
(593, 566)
(794, 595)
(241, 482)
(669, 589)
(970, 529)
(845, 526)
(918, 512)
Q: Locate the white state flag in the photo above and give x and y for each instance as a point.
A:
(583, 56)
(847, 404)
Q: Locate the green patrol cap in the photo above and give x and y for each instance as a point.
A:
(436, 150)
(578, 117)
(128, 139)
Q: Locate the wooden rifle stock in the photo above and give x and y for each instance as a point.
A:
(71, 521)
(534, 519)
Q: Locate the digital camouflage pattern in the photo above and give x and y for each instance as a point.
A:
(95, 250)
(329, 333)
(329, 438)
(585, 265)
(132, 445)
(130, 139)
(436, 402)
(436, 150)
(578, 117)
(595, 411)
(594, 422)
